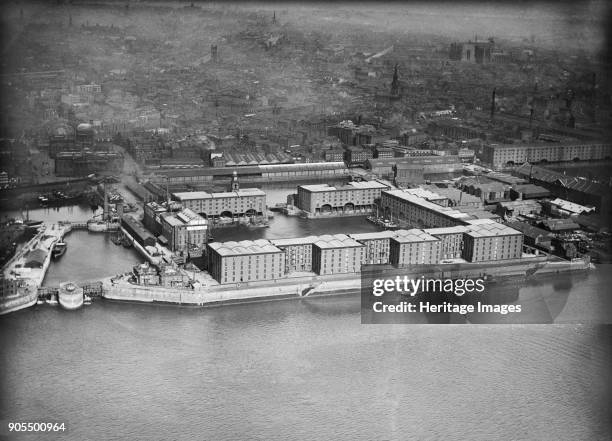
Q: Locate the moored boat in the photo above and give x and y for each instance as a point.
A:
(59, 249)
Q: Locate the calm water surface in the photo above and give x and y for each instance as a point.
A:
(298, 370)
(303, 369)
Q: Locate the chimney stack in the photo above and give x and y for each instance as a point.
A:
(493, 105)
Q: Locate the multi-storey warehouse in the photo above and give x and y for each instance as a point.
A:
(235, 204)
(298, 252)
(419, 212)
(351, 199)
(184, 231)
(451, 240)
(486, 240)
(376, 246)
(414, 247)
(245, 261)
(336, 254)
(501, 155)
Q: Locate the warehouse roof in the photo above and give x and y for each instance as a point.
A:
(560, 225)
(529, 230)
(244, 247)
(192, 195)
(571, 206)
(489, 228)
(414, 235)
(329, 241)
(446, 230)
(375, 235)
(425, 193)
(426, 204)
(363, 185)
(295, 241)
(35, 258)
(211, 171)
(531, 190)
(275, 168)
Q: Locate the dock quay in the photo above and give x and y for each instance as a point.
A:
(24, 273)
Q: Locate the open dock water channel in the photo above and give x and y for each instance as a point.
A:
(93, 255)
(293, 361)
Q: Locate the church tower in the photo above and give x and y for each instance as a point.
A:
(235, 184)
(395, 83)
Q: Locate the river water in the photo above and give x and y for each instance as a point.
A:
(302, 369)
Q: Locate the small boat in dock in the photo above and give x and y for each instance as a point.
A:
(32, 224)
(127, 243)
(59, 249)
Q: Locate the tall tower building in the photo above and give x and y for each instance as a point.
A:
(235, 184)
(395, 83)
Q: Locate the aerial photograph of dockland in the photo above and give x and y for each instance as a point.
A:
(204, 205)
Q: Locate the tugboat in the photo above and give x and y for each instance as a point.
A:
(59, 249)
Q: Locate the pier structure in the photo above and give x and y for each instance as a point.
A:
(23, 275)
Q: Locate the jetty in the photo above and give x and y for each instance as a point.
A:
(24, 273)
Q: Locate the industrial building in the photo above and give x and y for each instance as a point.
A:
(578, 190)
(138, 232)
(313, 171)
(418, 212)
(245, 261)
(419, 169)
(487, 240)
(83, 163)
(85, 135)
(519, 208)
(151, 218)
(336, 254)
(488, 191)
(451, 240)
(184, 232)
(411, 247)
(377, 246)
(501, 155)
(298, 252)
(357, 156)
(533, 236)
(456, 198)
(249, 202)
(478, 52)
(355, 198)
(528, 191)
